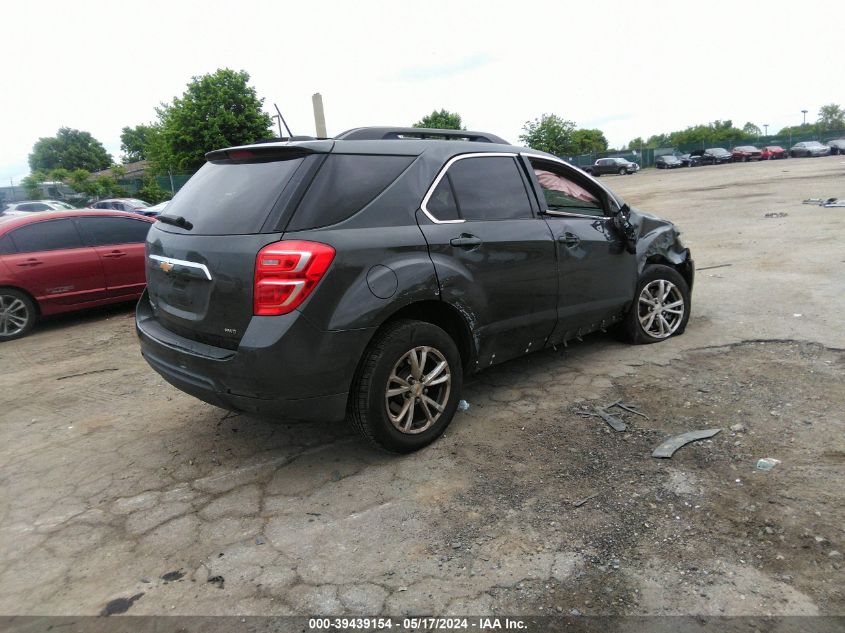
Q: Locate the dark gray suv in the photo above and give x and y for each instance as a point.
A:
(363, 277)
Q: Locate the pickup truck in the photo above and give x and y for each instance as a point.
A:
(619, 166)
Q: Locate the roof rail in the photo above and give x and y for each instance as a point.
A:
(400, 133)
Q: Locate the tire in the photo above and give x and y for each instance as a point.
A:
(633, 330)
(623, 171)
(387, 365)
(17, 314)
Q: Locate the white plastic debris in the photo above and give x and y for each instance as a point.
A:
(463, 405)
(767, 463)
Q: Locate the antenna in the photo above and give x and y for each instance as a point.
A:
(282, 119)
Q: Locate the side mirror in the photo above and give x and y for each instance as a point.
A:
(625, 229)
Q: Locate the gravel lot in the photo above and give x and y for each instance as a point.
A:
(117, 486)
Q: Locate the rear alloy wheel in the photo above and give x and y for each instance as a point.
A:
(623, 171)
(406, 391)
(17, 314)
(661, 306)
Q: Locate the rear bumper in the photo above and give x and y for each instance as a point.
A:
(284, 367)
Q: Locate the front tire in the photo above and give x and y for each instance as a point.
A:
(661, 307)
(17, 314)
(623, 171)
(406, 390)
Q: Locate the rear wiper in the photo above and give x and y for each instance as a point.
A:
(176, 220)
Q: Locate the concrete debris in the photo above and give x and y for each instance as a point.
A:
(668, 448)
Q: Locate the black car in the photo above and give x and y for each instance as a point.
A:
(712, 156)
(668, 161)
(688, 160)
(618, 165)
(364, 276)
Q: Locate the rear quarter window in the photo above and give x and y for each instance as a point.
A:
(345, 184)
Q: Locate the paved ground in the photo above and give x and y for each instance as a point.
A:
(115, 486)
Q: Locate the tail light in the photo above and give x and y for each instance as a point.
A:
(286, 273)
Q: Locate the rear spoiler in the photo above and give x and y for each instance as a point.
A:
(270, 151)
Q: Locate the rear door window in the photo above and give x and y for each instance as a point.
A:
(104, 231)
(345, 184)
(231, 198)
(489, 188)
(46, 236)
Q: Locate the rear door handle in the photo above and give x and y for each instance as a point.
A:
(115, 254)
(30, 262)
(466, 241)
(570, 239)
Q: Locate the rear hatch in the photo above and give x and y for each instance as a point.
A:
(201, 253)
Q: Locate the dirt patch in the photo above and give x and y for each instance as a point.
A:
(727, 537)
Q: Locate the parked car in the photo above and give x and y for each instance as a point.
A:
(363, 276)
(37, 205)
(605, 166)
(688, 160)
(771, 152)
(156, 209)
(59, 261)
(745, 153)
(130, 205)
(712, 156)
(668, 161)
(809, 148)
(837, 146)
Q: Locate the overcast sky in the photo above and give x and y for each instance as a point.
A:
(629, 68)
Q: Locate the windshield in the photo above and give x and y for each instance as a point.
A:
(62, 205)
(137, 203)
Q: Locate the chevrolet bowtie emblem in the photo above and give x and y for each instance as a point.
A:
(165, 266)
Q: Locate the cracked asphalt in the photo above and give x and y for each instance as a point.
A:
(119, 494)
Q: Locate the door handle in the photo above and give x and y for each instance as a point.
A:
(466, 241)
(115, 254)
(570, 239)
(30, 262)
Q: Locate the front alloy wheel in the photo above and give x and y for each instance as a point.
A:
(661, 309)
(417, 390)
(17, 314)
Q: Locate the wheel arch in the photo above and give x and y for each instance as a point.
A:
(445, 316)
(24, 292)
(684, 268)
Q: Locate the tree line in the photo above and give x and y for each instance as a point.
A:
(221, 109)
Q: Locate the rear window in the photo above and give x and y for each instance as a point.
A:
(231, 198)
(345, 184)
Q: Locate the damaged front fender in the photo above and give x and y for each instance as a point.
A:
(657, 241)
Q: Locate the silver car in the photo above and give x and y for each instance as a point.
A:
(37, 205)
(809, 148)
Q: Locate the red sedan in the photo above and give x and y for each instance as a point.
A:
(745, 153)
(772, 151)
(59, 261)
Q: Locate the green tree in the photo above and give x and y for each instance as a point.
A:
(70, 149)
(134, 140)
(751, 131)
(588, 141)
(549, 133)
(217, 110)
(831, 117)
(32, 184)
(441, 119)
(636, 143)
(150, 191)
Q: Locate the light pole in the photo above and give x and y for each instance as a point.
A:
(766, 128)
(804, 122)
